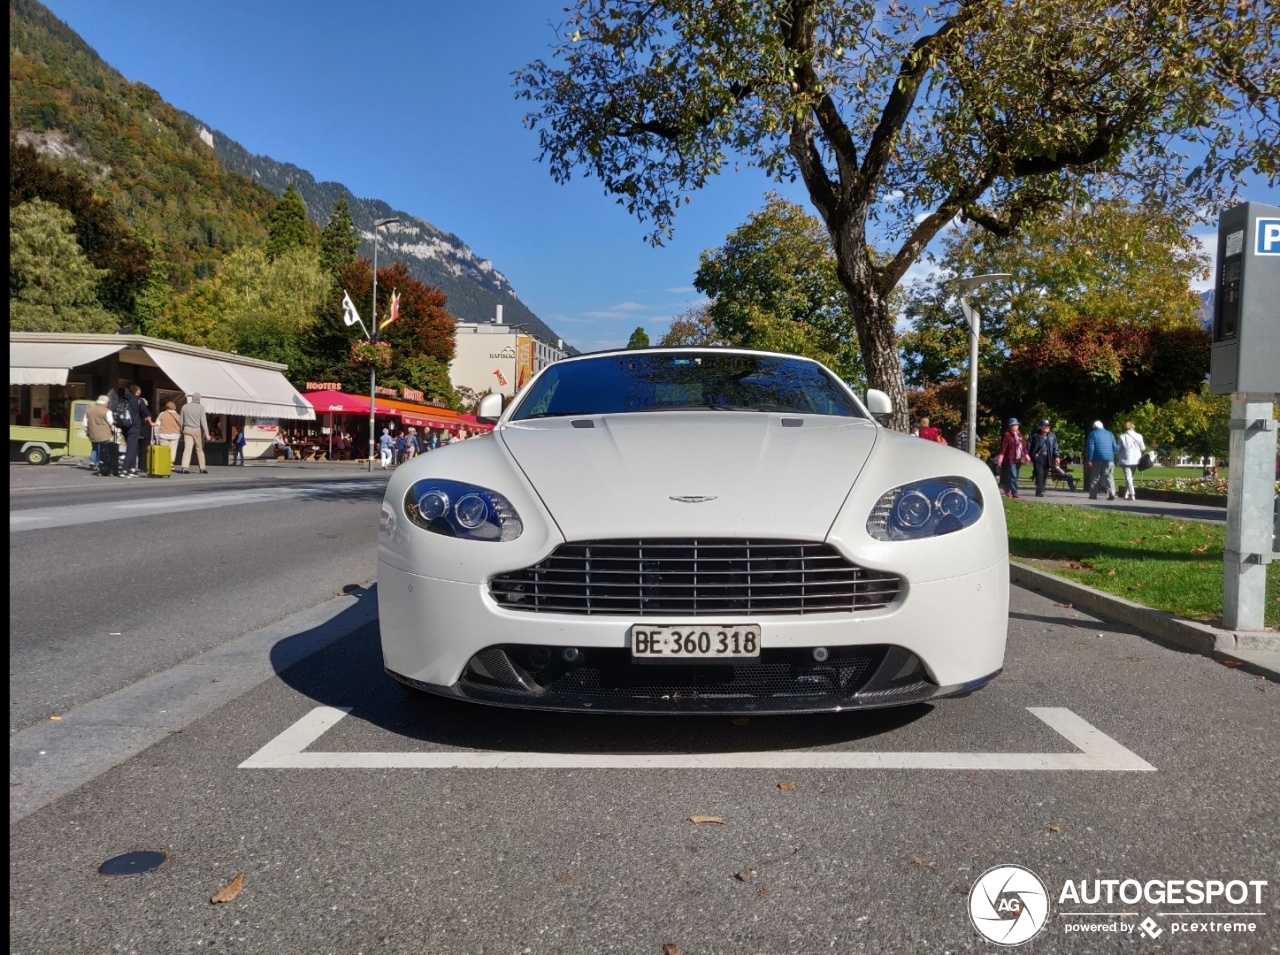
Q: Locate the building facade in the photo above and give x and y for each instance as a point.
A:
(490, 356)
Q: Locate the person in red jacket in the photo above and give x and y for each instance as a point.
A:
(1012, 455)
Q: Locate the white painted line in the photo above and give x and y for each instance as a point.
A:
(1098, 753)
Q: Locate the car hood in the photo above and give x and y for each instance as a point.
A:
(687, 474)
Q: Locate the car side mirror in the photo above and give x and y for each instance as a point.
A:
(490, 409)
(878, 403)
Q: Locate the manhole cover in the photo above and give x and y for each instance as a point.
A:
(132, 863)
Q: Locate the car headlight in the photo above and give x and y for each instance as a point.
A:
(925, 509)
(457, 509)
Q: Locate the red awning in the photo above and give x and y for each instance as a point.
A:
(338, 402)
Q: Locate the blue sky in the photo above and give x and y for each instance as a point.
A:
(413, 103)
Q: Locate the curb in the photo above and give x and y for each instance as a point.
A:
(1254, 651)
(1183, 497)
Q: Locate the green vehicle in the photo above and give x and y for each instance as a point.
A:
(37, 445)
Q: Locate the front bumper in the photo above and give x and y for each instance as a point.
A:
(943, 638)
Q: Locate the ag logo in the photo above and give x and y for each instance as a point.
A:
(1008, 905)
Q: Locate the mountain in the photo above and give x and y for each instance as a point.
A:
(1206, 310)
(195, 192)
(440, 258)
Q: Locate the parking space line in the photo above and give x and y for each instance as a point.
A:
(1097, 753)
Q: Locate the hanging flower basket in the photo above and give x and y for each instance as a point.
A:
(371, 355)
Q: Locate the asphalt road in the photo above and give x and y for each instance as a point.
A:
(580, 840)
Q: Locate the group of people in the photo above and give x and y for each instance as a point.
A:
(1103, 451)
(394, 451)
(128, 422)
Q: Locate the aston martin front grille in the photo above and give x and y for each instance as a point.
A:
(694, 578)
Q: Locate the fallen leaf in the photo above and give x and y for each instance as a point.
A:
(764, 890)
(1068, 606)
(229, 891)
(746, 875)
(924, 863)
(563, 878)
(968, 848)
(56, 719)
(1111, 573)
(1230, 663)
(740, 720)
(1057, 826)
(787, 787)
(671, 948)
(701, 820)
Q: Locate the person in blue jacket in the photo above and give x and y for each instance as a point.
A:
(1100, 458)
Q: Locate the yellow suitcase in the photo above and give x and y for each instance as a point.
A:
(159, 463)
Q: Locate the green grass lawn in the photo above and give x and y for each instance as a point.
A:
(1171, 474)
(1161, 562)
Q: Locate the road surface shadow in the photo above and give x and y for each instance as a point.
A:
(348, 673)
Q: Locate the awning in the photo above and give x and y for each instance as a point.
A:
(227, 388)
(339, 402)
(48, 363)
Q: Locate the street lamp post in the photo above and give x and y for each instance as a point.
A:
(970, 316)
(373, 337)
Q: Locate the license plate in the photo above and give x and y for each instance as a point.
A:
(730, 641)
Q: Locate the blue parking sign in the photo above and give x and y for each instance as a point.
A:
(1268, 238)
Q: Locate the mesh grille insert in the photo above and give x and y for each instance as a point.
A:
(694, 578)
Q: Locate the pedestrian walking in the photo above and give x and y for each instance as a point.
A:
(1132, 448)
(385, 447)
(929, 432)
(1100, 457)
(1011, 456)
(195, 431)
(99, 428)
(169, 428)
(133, 418)
(1043, 448)
(962, 438)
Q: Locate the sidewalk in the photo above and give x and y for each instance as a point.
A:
(73, 473)
(1151, 508)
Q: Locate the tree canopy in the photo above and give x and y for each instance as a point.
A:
(639, 338)
(773, 285)
(898, 119)
(52, 284)
(339, 241)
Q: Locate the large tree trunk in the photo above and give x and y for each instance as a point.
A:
(874, 321)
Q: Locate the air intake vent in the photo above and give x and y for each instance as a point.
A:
(694, 578)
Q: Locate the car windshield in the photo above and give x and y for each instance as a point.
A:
(685, 381)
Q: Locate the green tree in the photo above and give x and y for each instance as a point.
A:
(1197, 425)
(339, 242)
(773, 285)
(287, 226)
(52, 284)
(898, 119)
(694, 326)
(1127, 265)
(254, 306)
(108, 243)
(639, 338)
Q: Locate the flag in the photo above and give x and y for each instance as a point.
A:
(395, 310)
(349, 313)
(502, 379)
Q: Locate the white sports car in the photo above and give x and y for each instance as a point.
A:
(702, 530)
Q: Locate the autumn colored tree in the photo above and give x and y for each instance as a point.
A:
(694, 326)
(421, 338)
(1111, 260)
(288, 227)
(899, 118)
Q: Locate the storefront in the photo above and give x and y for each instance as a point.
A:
(49, 370)
(341, 428)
